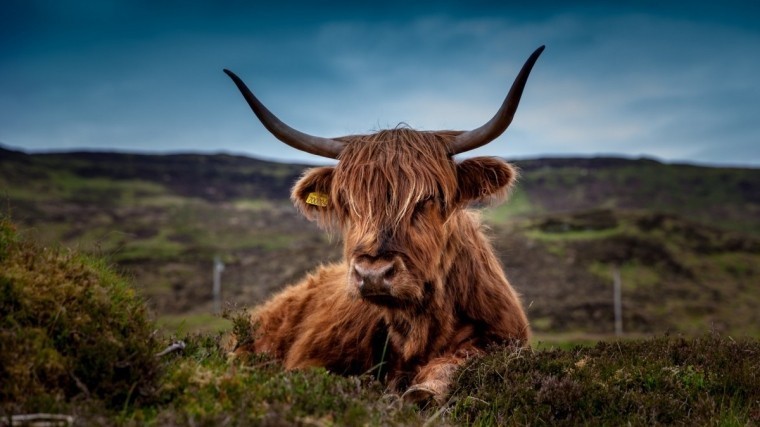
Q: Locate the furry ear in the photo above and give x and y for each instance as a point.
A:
(484, 179)
(312, 197)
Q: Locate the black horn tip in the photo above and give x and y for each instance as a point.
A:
(238, 81)
(537, 52)
(475, 138)
(324, 147)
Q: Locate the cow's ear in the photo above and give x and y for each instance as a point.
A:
(311, 195)
(484, 179)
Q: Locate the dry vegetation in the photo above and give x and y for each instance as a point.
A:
(94, 357)
(685, 237)
(76, 338)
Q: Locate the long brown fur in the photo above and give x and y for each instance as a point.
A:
(398, 192)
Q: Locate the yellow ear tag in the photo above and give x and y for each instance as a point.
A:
(318, 199)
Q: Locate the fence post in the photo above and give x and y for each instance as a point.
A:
(617, 297)
(217, 289)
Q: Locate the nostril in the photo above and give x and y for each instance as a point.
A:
(389, 273)
(374, 276)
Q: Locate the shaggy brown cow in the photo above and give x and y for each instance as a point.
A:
(420, 289)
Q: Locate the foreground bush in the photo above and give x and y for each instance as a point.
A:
(698, 381)
(202, 387)
(76, 340)
(70, 328)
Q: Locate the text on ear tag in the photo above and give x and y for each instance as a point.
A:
(318, 199)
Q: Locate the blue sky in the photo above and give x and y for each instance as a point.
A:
(672, 80)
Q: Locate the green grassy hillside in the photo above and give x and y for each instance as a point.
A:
(677, 275)
(726, 198)
(95, 360)
(685, 238)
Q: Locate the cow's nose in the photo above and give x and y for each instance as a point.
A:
(374, 277)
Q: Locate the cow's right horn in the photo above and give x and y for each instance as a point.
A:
(324, 147)
(500, 122)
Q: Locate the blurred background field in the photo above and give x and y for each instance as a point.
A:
(686, 239)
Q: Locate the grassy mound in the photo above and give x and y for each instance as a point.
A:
(70, 328)
(74, 339)
(710, 380)
(701, 381)
(202, 387)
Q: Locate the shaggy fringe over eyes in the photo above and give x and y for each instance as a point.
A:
(374, 172)
(381, 178)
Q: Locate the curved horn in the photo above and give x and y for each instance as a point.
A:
(324, 147)
(498, 124)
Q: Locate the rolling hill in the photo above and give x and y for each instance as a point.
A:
(684, 237)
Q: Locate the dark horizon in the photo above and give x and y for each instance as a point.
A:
(569, 158)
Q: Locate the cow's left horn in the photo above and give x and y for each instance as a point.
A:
(324, 147)
(475, 138)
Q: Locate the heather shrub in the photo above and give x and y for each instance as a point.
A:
(697, 381)
(70, 328)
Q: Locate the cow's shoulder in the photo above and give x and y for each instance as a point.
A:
(327, 276)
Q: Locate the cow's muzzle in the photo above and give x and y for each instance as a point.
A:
(375, 277)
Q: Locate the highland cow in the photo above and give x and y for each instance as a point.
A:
(420, 289)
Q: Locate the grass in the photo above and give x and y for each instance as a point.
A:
(677, 275)
(567, 340)
(163, 218)
(64, 185)
(263, 239)
(572, 235)
(633, 275)
(701, 381)
(76, 340)
(253, 205)
(69, 326)
(518, 204)
(200, 323)
(158, 247)
(202, 387)
(725, 197)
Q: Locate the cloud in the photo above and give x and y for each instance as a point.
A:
(621, 81)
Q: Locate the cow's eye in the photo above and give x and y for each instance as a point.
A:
(421, 207)
(343, 206)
